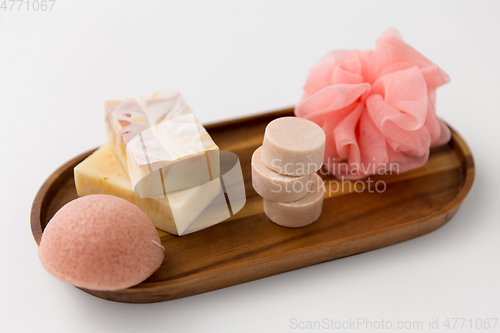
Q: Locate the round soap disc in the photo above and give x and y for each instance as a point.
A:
(301, 212)
(100, 242)
(293, 146)
(274, 186)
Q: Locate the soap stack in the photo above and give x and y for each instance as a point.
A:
(284, 171)
(160, 158)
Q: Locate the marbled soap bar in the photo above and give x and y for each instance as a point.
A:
(160, 143)
(179, 213)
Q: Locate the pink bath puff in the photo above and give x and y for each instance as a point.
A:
(377, 108)
(100, 242)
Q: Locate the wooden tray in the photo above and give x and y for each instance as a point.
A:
(249, 246)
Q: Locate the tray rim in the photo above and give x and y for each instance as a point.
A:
(457, 143)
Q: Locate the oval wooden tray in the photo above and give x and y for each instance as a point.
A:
(249, 246)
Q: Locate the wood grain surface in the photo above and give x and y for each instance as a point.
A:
(249, 246)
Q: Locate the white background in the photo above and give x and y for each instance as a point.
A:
(231, 59)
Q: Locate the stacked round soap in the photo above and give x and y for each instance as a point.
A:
(284, 171)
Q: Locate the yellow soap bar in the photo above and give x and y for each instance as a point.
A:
(103, 173)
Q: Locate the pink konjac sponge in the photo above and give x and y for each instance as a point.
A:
(100, 242)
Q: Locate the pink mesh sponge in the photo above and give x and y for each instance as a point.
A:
(377, 108)
(100, 242)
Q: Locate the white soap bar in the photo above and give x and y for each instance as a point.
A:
(161, 144)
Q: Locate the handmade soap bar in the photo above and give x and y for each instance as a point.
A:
(160, 143)
(293, 146)
(179, 213)
(301, 212)
(274, 186)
